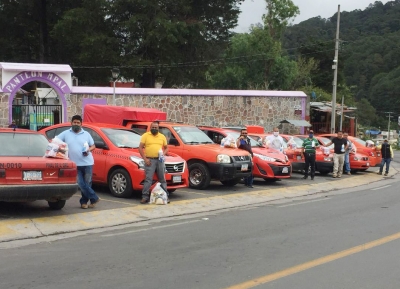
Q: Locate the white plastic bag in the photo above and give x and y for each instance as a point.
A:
(57, 149)
(158, 196)
(229, 142)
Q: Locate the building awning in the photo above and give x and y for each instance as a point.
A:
(297, 122)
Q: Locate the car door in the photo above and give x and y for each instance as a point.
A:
(172, 141)
(100, 158)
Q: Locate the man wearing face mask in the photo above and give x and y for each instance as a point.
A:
(275, 141)
(152, 144)
(80, 145)
(309, 146)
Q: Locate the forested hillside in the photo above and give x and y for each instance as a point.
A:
(369, 53)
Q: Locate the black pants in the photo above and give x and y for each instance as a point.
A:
(309, 161)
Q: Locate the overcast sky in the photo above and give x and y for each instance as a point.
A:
(252, 10)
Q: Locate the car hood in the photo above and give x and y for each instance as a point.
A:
(270, 153)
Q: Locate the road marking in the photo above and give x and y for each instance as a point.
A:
(152, 228)
(381, 188)
(314, 263)
(301, 203)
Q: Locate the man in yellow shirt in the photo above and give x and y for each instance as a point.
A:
(153, 147)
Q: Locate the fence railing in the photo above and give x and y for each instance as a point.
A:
(36, 117)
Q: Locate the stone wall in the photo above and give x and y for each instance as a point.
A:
(198, 110)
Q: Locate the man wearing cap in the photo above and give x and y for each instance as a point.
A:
(387, 156)
(309, 146)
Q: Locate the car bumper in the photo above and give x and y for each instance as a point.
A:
(298, 166)
(230, 171)
(49, 192)
(324, 166)
(272, 171)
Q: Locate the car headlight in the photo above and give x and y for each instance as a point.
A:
(265, 158)
(356, 158)
(138, 161)
(225, 159)
(328, 159)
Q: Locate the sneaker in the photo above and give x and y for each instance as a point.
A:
(144, 201)
(84, 206)
(339, 176)
(348, 173)
(379, 173)
(305, 177)
(312, 178)
(386, 174)
(92, 205)
(250, 186)
(333, 176)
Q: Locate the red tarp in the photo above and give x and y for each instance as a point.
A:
(120, 114)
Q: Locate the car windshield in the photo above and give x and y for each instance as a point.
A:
(360, 141)
(23, 144)
(192, 135)
(253, 142)
(297, 140)
(122, 138)
(325, 140)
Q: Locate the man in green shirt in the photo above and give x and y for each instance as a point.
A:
(309, 146)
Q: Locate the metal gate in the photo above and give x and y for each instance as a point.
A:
(36, 117)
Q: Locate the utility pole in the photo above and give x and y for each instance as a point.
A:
(335, 67)
(388, 137)
(341, 114)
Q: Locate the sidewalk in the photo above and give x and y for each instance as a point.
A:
(47, 226)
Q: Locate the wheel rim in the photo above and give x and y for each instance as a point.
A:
(119, 183)
(196, 177)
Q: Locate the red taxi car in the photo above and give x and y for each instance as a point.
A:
(25, 175)
(358, 161)
(293, 154)
(117, 162)
(373, 153)
(268, 164)
(323, 161)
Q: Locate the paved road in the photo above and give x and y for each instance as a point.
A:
(345, 238)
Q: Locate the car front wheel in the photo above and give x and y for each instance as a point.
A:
(199, 176)
(120, 184)
(58, 205)
(230, 183)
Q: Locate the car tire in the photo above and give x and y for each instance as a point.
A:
(199, 176)
(230, 183)
(120, 184)
(58, 205)
(170, 191)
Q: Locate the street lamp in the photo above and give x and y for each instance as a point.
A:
(115, 75)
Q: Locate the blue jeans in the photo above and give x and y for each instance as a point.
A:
(387, 161)
(85, 184)
(347, 162)
(248, 181)
(155, 167)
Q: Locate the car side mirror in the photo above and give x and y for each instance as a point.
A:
(101, 145)
(174, 142)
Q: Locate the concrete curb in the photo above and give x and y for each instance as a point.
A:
(46, 226)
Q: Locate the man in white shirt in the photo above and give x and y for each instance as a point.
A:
(275, 141)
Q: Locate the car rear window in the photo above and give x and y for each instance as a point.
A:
(23, 144)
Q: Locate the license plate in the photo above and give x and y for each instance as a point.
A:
(176, 179)
(32, 176)
(368, 164)
(299, 157)
(285, 170)
(245, 167)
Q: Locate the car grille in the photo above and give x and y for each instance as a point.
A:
(364, 158)
(241, 158)
(174, 167)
